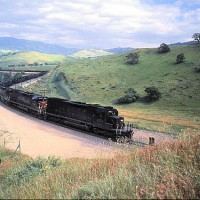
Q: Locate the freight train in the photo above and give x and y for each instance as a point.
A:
(101, 120)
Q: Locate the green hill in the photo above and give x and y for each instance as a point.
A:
(21, 59)
(105, 79)
(166, 171)
(4, 51)
(90, 53)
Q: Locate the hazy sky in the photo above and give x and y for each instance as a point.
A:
(101, 23)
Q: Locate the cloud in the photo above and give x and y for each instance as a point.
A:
(88, 23)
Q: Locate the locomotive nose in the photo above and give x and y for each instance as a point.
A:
(43, 104)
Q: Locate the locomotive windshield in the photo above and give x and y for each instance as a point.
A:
(42, 103)
(111, 113)
(116, 121)
(42, 99)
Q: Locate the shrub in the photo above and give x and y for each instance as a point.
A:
(164, 48)
(196, 37)
(197, 70)
(180, 58)
(132, 58)
(130, 96)
(153, 94)
(59, 77)
(32, 168)
(18, 75)
(7, 76)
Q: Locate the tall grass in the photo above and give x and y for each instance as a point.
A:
(167, 172)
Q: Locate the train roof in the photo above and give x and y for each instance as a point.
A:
(38, 96)
(30, 94)
(98, 106)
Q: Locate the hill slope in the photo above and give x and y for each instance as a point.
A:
(16, 59)
(91, 53)
(105, 79)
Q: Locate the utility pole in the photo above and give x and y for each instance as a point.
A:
(44, 91)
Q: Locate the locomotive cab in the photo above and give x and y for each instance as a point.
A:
(116, 121)
(42, 100)
(42, 105)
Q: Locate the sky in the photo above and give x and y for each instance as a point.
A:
(101, 24)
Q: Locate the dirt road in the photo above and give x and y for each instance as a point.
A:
(41, 138)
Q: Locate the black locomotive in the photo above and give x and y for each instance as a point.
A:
(90, 117)
(26, 101)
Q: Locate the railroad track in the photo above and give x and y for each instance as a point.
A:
(134, 142)
(130, 142)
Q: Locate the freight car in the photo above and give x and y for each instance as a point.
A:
(3, 93)
(91, 117)
(29, 102)
(12, 81)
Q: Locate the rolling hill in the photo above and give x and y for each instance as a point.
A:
(105, 79)
(90, 53)
(15, 44)
(22, 59)
(172, 168)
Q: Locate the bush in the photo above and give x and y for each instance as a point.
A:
(180, 58)
(153, 94)
(164, 48)
(197, 70)
(31, 169)
(7, 76)
(18, 75)
(196, 37)
(130, 96)
(132, 58)
(60, 77)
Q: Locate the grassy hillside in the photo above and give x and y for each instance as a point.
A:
(90, 53)
(105, 79)
(4, 51)
(167, 172)
(14, 59)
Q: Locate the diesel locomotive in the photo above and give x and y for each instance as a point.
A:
(101, 120)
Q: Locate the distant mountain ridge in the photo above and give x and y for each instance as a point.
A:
(15, 44)
(119, 50)
(9, 43)
(183, 43)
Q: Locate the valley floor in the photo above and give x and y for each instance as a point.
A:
(41, 138)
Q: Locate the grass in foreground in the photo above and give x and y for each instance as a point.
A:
(170, 171)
